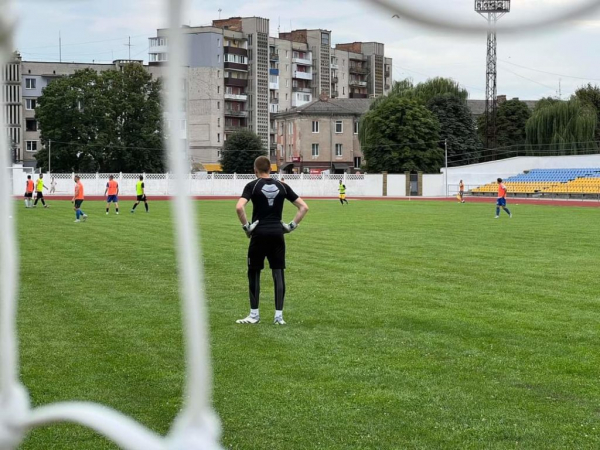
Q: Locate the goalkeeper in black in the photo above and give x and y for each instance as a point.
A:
(266, 233)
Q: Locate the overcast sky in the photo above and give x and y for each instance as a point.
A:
(529, 65)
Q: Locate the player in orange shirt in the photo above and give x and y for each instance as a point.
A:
(501, 202)
(78, 200)
(29, 192)
(112, 189)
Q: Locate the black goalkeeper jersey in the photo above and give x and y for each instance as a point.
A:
(268, 196)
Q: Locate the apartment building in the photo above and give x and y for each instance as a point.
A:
(365, 71)
(322, 135)
(24, 84)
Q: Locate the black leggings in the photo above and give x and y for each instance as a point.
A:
(254, 285)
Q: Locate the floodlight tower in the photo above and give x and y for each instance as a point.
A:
(492, 11)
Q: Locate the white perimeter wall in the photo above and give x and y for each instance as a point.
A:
(479, 174)
(364, 185)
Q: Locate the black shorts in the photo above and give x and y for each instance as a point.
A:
(39, 194)
(141, 198)
(270, 247)
(28, 194)
(78, 203)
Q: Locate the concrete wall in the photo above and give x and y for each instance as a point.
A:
(479, 174)
(206, 50)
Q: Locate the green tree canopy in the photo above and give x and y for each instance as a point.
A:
(400, 134)
(457, 127)
(240, 150)
(511, 120)
(427, 90)
(107, 122)
(590, 95)
(566, 126)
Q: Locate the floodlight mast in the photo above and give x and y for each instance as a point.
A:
(492, 11)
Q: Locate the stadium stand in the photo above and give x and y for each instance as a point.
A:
(549, 181)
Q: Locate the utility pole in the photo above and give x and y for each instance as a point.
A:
(50, 156)
(59, 47)
(446, 158)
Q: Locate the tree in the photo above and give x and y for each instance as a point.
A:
(427, 90)
(590, 95)
(457, 127)
(565, 126)
(511, 120)
(400, 134)
(107, 122)
(240, 151)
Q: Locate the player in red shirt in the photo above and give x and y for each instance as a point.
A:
(501, 202)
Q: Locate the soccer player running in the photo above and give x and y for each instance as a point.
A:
(266, 234)
(78, 200)
(39, 191)
(501, 203)
(342, 189)
(112, 189)
(28, 192)
(461, 191)
(140, 191)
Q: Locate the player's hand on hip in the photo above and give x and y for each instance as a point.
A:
(249, 228)
(289, 227)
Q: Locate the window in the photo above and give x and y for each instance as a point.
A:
(324, 38)
(343, 90)
(32, 146)
(338, 150)
(315, 126)
(357, 161)
(30, 125)
(315, 150)
(356, 127)
(281, 126)
(218, 42)
(339, 126)
(287, 83)
(218, 121)
(218, 58)
(30, 83)
(287, 54)
(219, 140)
(286, 96)
(218, 89)
(218, 74)
(238, 59)
(218, 105)
(183, 125)
(287, 67)
(290, 128)
(30, 104)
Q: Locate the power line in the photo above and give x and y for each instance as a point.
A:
(550, 73)
(529, 79)
(84, 43)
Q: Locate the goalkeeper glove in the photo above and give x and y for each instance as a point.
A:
(289, 227)
(249, 228)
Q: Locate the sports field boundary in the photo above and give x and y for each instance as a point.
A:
(489, 200)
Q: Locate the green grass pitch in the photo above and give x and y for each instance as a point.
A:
(421, 325)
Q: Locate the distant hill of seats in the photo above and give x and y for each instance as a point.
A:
(549, 181)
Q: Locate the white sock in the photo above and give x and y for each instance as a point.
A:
(254, 312)
(279, 314)
(26, 203)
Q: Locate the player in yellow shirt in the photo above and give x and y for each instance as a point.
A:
(342, 189)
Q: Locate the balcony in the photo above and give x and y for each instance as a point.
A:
(236, 113)
(274, 72)
(358, 69)
(335, 94)
(234, 128)
(335, 79)
(274, 57)
(237, 97)
(335, 66)
(235, 50)
(273, 109)
(387, 73)
(387, 87)
(302, 61)
(274, 101)
(357, 83)
(301, 89)
(235, 66)
(357, 95)
(303, 75)
(240, 82)
(301, 99)
(274, 86)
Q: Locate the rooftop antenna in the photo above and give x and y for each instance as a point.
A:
(220, 13)
(59, 47)
(560, 88)
(278, 25)
(129, 45)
